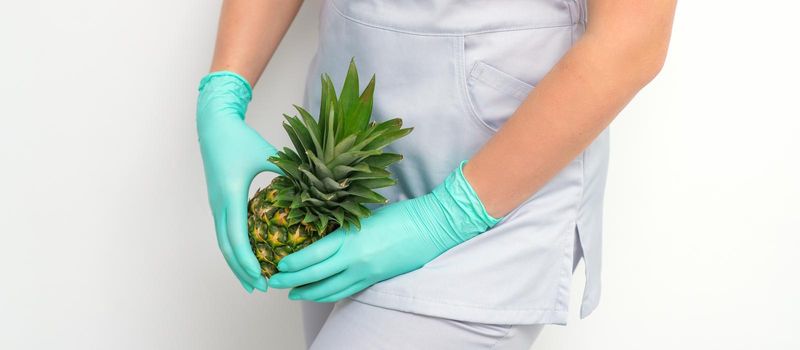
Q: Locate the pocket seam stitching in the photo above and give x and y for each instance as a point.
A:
(464, 93)
(518, 90)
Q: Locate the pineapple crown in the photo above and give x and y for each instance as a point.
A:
(337, 159)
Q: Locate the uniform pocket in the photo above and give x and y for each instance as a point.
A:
(494, 95)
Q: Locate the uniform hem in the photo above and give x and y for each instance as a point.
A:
(460, 312)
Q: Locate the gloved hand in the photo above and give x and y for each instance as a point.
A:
(233, 154)
(397, 238)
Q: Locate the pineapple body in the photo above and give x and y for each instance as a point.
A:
(332, 171)
(272, 236)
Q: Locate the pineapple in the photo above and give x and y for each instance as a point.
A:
(330, 174)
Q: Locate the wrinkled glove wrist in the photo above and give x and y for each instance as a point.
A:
(227, 86)
(452, 213)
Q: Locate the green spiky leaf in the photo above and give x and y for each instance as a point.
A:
(383, 160)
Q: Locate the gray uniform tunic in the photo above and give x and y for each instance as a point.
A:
(456, 70)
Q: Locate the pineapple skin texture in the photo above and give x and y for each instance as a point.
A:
(271, 235)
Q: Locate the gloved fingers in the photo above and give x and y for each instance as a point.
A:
(249, 282)
(232, 264)
(353, 289)
(242, 278)
(325, 287)
(313, 254)
(227, 252)
(311, 274)
(236, 216)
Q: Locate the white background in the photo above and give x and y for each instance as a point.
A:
(107, 238)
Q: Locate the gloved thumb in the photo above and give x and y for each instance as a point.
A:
(266, 151)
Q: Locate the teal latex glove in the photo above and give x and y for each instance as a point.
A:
(233, 154)
(397, 238)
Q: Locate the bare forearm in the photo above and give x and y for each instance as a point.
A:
(569, 107)
(249, 33)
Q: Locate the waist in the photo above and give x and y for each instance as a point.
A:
(460, 17)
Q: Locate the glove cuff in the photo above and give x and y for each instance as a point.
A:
(233, 78)
(226, 82)
(465, 212)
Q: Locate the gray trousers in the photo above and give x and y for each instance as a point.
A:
(353, 325)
